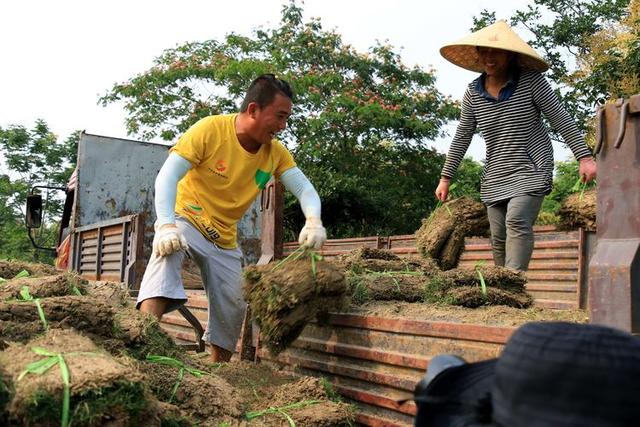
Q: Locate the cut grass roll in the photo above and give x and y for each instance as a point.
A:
(99, 387)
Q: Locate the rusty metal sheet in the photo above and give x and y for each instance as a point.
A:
(374, 361)
(614, 270)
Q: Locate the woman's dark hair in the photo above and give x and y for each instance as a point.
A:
(263, 89)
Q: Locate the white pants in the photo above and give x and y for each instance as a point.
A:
(220, 270)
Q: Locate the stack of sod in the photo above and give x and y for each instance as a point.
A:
(362, 260)
(283, 298)
(64, 376)
(441, 236)
(377, 274)
(9, 269)
(479, 286)
(43, 287)
(578, 211)
(387, 286)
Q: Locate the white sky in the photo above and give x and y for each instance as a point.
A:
(59, 56)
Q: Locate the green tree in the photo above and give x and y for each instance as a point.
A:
(360, 126)
(33, 157)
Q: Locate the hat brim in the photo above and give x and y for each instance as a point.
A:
(466, 56)
(498, 35)
(454, 395)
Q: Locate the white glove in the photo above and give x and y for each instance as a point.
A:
(167, 240)
(313, 234)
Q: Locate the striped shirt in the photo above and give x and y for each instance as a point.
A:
(519, 151)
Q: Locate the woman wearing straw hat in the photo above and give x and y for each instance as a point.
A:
(505, 104)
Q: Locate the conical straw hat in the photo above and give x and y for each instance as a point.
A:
(498, 36)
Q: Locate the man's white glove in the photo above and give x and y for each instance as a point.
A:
(313, 234)
(167, 240)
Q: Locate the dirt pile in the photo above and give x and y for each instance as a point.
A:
(111, 354)
(284, 297)
(578, 211)
(441, 236)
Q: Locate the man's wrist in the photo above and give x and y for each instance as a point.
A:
(314, 220)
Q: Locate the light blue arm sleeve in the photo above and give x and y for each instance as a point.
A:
(172, 171)
(295, 181)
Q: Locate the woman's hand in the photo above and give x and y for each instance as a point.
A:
(442, 191)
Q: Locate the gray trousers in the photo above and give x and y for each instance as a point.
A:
(220, 270)
(511, 223)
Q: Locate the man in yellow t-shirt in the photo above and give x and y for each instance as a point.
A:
(211, 177)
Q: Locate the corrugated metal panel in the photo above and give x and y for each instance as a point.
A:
(371, 361)
(108, 250)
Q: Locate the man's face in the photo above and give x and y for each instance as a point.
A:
(271, 119)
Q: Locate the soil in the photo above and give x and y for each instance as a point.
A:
(486, 315)
(9, 269)
(578, 211)
(262, 387)
(284, 298)
(208, 398)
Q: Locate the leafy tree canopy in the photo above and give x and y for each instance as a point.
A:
(360, 126)
(33, 157)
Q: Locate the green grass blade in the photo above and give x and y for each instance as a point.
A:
(313, 265)
(195, 372)
(576, 186)
(271, 410)
(43, 351)
(24, 293)
(2, 280)
(289, 419)
(43, 319)
(64, 372)
(483, 285)
(177, 384)
(77, 291)
(164, 360)
(39, 367)
(295, 253)
(23, 273)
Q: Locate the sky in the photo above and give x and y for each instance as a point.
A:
(59, 56)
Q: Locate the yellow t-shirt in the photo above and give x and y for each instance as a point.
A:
(224, 179)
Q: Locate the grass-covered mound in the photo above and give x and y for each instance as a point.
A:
(99, 387)
(111, 353)
(479, 286)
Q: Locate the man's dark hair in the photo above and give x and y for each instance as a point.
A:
(263, 89)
